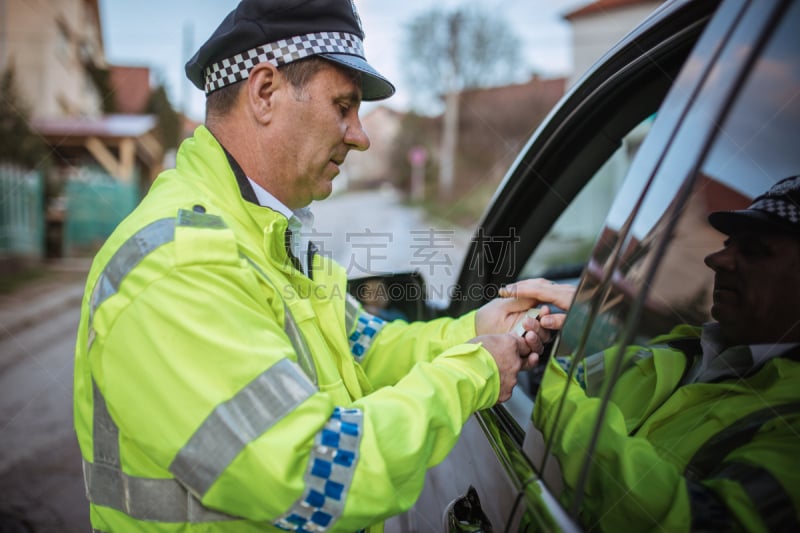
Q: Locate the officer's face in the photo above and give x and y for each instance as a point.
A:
(757, 288)
(321, 126)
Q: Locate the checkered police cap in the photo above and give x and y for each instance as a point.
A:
(280, 32)
(777, 210)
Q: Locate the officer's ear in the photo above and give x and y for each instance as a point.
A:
(263, 86)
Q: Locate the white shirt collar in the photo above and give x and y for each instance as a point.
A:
(301, 222)
(266, 199)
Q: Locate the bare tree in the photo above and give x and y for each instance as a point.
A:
(446, 52)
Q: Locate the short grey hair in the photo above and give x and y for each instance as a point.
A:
(299, 73)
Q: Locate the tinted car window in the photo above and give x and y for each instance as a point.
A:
(568, 243)
(647, 275)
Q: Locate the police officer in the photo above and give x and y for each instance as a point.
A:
(703, 427)
(224, 381)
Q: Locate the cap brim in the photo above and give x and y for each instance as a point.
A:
(732, 222)
(373, 85)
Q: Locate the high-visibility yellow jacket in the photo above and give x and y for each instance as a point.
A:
(219, 389)
(717, 456)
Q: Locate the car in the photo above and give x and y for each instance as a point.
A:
(695, 110)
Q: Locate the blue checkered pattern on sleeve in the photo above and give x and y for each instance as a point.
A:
(367, 326)
(329, 474)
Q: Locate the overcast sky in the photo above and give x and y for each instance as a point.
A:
(163, 34)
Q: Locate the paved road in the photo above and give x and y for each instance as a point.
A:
(41, 484)
(372, 232)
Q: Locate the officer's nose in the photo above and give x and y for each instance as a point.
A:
(720, 260)
(355, 136)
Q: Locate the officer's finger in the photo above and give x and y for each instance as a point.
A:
(533, 343)
(520, 344)
(530, 361)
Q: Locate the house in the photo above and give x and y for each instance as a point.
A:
(494, 125)
(495, 122)
(597, 26)
(56, 51)
(103, 150)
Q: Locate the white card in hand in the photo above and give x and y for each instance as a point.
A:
(519, 329)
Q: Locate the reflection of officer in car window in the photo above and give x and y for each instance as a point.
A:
(703, 427)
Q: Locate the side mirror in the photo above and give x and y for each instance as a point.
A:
(393, 296)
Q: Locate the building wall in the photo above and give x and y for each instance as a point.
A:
(595, 33)
(49, 43)
(496, 122)
(596, 27)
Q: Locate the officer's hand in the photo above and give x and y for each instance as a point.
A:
(502, 314)
(512, 354)
(541, 291)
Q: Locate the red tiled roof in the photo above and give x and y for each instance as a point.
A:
(601, 6)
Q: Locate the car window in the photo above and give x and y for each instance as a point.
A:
(563, 252)
(647, 277)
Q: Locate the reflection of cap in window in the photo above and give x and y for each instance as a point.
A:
(280, 32)
(777, 210)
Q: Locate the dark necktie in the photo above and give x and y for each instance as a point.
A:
(288, 237)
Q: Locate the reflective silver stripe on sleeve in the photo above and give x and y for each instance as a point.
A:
(162, 500)
(159, 500)
(594, 367)
(351, 309)
(136, 248)
(130, 254)
(367, 326)
(708, 457)
(329, 475)
(237, 422)
(140, 244)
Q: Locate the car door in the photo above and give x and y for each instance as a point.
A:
(493, 478)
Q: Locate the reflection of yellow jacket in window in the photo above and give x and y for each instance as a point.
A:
(192, 408)
(714, 456)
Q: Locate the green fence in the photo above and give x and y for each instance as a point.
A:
(96, 203)
(21, 212)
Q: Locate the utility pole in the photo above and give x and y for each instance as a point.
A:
(455, 24)
(188, 47)
(449, 145)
